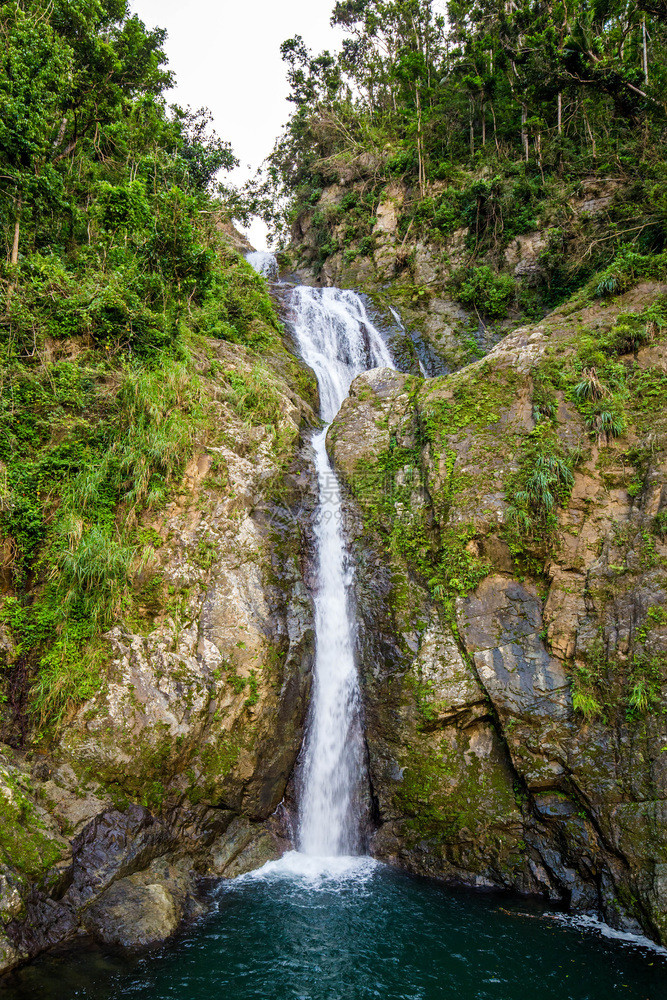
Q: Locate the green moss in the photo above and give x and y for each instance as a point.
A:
(424, 800)
(445, 789)
(479, 396)
(217, 760)
(23, 844)
(410, 512)
(253, 697)
(424, 691)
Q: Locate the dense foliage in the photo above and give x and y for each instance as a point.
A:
(113, 266)
(492, 116)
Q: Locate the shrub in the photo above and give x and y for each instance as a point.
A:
(629, 267)
(586, 704)
(660, 523)
(366, 246)
(543, 482)
(605, 425)
(480, 288)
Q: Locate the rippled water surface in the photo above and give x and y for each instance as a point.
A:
(350, 929)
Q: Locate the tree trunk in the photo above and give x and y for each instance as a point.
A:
(495, 129)
(524, 132)
(560, 132)
(420, 147)
(590, 133)
(17, 231)
(645, 45)
(472, 131)
(538, 151)
(483, 123)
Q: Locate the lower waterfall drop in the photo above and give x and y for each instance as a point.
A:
(339, 341)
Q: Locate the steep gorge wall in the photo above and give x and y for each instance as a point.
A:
(168, 775)
(478, 647)
(515, 678)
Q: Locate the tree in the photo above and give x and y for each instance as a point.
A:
(203, 152)
(37, 71)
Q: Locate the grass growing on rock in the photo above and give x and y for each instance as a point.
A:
(409, 499)
(98, 432)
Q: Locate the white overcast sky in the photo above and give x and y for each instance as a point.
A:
(226, 56)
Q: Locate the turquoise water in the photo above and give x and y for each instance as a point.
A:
(356, 930)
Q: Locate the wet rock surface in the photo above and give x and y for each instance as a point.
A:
(134, 878)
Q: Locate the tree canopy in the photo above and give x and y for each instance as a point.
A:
(421, 86)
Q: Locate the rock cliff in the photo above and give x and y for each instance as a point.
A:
(414, 253)
(167, 775)
(512, 585)
(508, 522)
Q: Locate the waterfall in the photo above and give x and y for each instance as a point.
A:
(264, 263)
(337, 338)
(338, 341)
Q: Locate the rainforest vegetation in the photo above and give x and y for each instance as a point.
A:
(492, 113)
(112, 267)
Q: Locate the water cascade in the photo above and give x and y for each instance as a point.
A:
(338, 340)
(264, 263)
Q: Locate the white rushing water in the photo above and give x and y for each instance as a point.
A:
(337, 338)
(339, 341)
(264, 263)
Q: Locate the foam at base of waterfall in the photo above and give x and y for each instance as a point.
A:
(317, 872)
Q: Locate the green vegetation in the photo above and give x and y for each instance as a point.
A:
(494, 121)
(440, 795)
(603, 687)
(541, 485)
(23, 843)
(411, 511)
(480, 289)
(217, 759)
(424, 500)
(390, 493)
(114, 272)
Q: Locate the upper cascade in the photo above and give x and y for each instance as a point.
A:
(264, 263)
(338, 340)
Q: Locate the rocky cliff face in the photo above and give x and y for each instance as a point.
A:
(169, 774)
(512, 590)
(380, 237)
